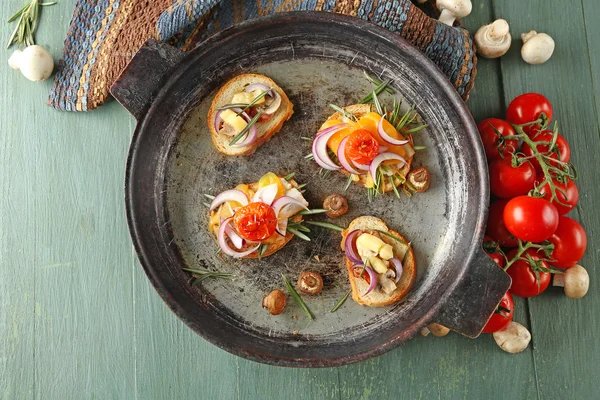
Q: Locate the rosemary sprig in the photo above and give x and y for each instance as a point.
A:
(376, 82)
(306, 138)
(290, 176)
(201, 275)
(300, 186)
(296, 232)
(28, 20)
(348, 182)
(262, 250)
(390, 235)
(229, 106)
(313, 211)
(245, 130)
(209, 196)
(417, 148)
(343, 112)
(378, 105)
(341, 301)
(394, 187)
(380, 88)
(309, 157)
(256, 100)
(297, 297)
(326, 225)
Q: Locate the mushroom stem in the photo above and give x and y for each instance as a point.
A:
(575, 280)
(450, 10)
(493, 40)
(559, 280)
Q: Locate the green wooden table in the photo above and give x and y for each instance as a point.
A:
(78, 318)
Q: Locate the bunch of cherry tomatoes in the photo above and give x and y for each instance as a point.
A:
(532, 186)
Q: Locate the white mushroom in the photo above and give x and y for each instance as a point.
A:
(453, 9)
(35, 63)
(575, 280)
(537, 47)
(513, 339)
(435, 329)
(493, 40)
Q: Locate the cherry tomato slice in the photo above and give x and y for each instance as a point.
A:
(256, 221)
(530, 218)
(524, 280)
(495, 227)
(489, 137)
(527, 108)
(561, 151)
(502, 316)
(563, 204)
(365, 275)
(362, 147)
(507, 181)
(570, 242)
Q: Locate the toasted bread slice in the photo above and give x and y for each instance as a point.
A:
(275, 242)
(265, 129)
(359, 110)
(409, 274)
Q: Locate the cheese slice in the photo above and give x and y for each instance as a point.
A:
(235, 121)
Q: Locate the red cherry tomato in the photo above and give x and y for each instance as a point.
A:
(527, 108)
(561, 151)
(524, 280)
(492, 248)
(570, 242)
(507, 181)
(362, 147)
(256, 221)
(568, 203)
(502, 316)
(489, 137)
(530, 218)
(495, 227)
(356, 272)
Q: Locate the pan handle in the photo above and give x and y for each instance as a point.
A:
(476, 297)
(142, 77)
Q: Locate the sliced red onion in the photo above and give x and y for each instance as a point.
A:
(387, 137)
(341, 153)
(349, 246)
(336, 128)
(381, 158)
(225, 247)
(284, 201)
(398, 267)
(258, 86)
(372, 277)
(229, 195)
(282, 226)
(218, 120)
(266, 194)
(236, 239)
(252, 132)
(319, 147)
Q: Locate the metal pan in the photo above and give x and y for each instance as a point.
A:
(318, 58)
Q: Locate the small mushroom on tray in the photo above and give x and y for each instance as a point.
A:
(336, 204)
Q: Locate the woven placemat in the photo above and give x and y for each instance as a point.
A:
(105, 34)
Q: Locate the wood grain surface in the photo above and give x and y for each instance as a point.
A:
(78, 318)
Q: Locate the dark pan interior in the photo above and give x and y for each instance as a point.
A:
(173, 163)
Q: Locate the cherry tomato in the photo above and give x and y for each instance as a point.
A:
(492, 248)
(569, 202)
(501, 317)
(561, 151)
(531, 219)
(489, 137)
(507, 181)
(495, 227)
(256, 221)
(524, 279)
(527, 108)
(570, 242)
(362, 147)
(365, 275)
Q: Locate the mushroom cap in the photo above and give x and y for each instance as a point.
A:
(15, 59)
(537, 49)
(493, 40)
(36, 63)
(577, 282)
(513, 339)
(458, 8)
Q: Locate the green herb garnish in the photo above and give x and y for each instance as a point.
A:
(343, 112)
(245, 130)
(417, 148)
(262, 250)
(296, 232)
(229, 106)
(348, 182)
(380, 88)
(290, 176)
(313, 211)
(376, 82)
(28, 20)
(341, 301)
(378, 105)
(200, 275)
(297, 297)
(391, 235)
(326, 225)
(256, 100)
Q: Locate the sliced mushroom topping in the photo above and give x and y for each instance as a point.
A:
(387, 285)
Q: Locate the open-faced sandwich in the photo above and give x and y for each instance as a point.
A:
(246, 112)
(257, 219)
(369, 145)
(380, 262)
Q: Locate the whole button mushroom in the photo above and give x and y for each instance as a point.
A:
(34, 62)
(575, 280)
(453, 9)
(513, 339)
(537, 47)
(493, 40)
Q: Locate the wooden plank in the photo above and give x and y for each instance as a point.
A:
(452, 367)
(565, 346)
